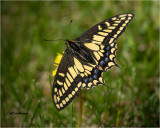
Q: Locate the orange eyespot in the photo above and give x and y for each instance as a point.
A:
(100, 68)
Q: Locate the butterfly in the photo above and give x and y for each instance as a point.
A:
(86, 58)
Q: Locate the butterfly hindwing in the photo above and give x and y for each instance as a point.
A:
(105, 61)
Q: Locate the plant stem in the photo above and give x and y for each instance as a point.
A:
(71, 114)
(80, 109)
(133, 96)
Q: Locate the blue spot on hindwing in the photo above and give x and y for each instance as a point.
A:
(90, 79)
(96, 71)
(107, 53)
(86, 80)
(95, 77)
(106, 59)
(102, 63)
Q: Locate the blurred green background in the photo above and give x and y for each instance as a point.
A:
(132, 95)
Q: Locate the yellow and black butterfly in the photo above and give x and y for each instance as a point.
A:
(86, 58)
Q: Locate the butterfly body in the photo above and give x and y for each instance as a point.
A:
(86, 58)
(79, 51)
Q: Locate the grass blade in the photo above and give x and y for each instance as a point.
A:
(80, 109)
(34, 113)
(133, 96)
(98, 118)
(71, 123)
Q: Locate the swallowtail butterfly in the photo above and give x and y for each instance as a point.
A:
(86, 58)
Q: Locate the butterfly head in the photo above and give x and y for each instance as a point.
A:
(71, 44)
(67, 43)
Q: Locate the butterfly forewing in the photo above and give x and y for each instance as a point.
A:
(67, 81)
(110, 28)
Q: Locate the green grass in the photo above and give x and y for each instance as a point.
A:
(131, 96)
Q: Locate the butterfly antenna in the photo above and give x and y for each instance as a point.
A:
(53, 40)
(69, 28)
